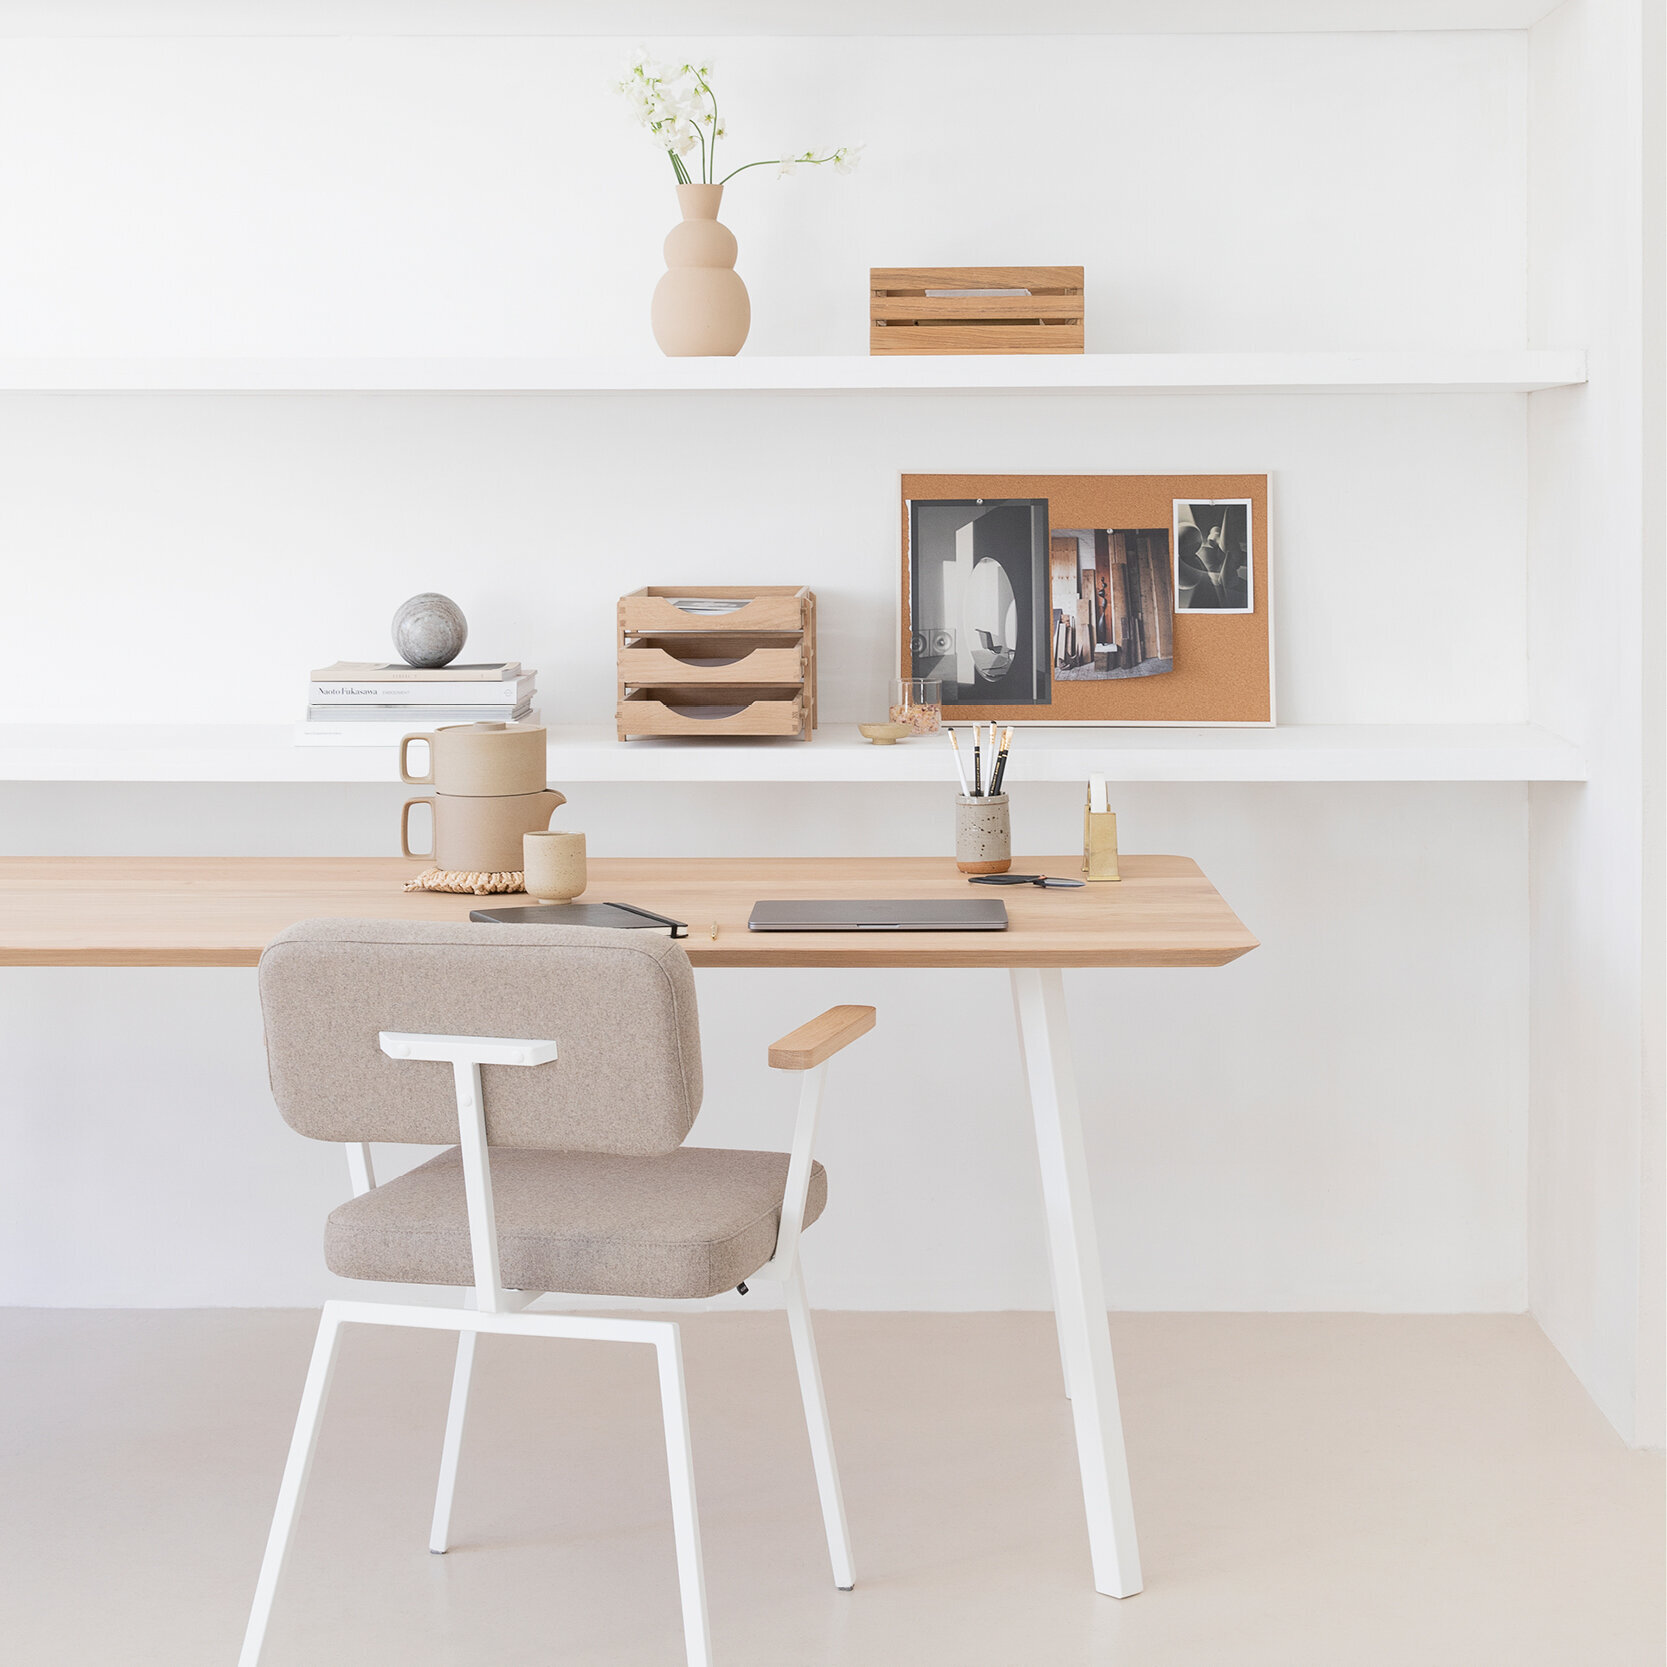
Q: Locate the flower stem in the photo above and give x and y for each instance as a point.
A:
(775, 162)
(713, 166)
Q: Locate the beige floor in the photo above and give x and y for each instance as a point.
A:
(1310, 1489)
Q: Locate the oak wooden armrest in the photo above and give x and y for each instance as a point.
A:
(821, 1039)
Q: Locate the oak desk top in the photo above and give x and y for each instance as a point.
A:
(222, 911)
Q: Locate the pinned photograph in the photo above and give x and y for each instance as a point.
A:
(1213, 566)
(1113, 611)
(978, 599)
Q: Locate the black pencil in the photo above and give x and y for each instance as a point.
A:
(1000, 769)
(977, 779)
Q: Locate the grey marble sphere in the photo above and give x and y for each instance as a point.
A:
(429, 630)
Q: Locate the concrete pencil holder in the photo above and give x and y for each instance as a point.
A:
(983, 839)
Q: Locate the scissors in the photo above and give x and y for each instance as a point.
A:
(1044, 880)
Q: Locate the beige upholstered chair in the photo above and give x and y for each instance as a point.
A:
(564, 1063)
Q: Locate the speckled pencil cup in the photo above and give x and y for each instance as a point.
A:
(983, 840)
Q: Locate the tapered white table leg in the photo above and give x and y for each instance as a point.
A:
(1079, 1296)
(1060, 1329)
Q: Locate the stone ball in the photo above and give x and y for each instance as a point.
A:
(429, 630)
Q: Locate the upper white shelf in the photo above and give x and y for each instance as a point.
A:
(1437, 371)
(590, 753)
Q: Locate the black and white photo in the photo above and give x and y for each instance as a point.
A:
(1214, 572)
(1112, 610)
(979, 618)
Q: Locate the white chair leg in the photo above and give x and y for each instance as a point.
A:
(691, 1577)
(293, 1485)
(821, 1436)
(439, 1533)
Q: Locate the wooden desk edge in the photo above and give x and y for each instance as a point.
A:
(702, 953)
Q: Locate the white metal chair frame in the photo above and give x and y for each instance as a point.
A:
(805, 1052)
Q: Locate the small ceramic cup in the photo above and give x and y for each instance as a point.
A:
(553, 865)
(983, 839)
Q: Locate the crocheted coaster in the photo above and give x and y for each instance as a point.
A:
(444, 879)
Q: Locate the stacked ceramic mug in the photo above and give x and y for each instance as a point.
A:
(488, 781)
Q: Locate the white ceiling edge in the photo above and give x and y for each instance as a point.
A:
(683, 19)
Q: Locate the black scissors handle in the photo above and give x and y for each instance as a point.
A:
(1045, 880)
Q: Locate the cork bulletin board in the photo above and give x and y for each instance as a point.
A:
(1111, 660)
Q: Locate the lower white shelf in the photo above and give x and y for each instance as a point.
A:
(590, 753)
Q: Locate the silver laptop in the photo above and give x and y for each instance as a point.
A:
(905, 915)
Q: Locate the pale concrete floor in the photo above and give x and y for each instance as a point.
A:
(1310, 1489)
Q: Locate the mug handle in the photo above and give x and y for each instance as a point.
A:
(405, 830)
(404, 774)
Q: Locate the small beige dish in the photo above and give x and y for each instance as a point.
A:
(884, 735)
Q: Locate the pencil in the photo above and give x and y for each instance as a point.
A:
(1000, 769)
(977, 777)
(955, 747)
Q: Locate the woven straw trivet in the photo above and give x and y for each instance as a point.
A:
(444, 879)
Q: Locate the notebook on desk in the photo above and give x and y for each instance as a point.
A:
(893, 915)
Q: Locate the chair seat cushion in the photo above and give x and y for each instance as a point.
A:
(690, 1223)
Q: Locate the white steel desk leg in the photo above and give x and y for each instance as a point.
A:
(1079, 1297)
(1061, 1330)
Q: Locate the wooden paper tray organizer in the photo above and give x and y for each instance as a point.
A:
(761, 658)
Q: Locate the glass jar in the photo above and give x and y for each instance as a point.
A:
(917, 702)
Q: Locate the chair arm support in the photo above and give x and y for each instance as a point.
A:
(466, 1050)
(805, 1048)
(466, 1055)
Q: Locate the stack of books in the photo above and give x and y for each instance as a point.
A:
(357, 703)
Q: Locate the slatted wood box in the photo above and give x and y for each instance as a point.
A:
(681, 673)
(904, 319)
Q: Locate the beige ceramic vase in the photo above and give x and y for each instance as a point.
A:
(700, 305)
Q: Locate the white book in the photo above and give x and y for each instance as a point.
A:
(311, 734)
(417, 717)
(352, 692)
(396, 671)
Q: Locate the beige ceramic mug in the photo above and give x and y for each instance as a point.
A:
(554, 865)
(484, 760)
(478, 835)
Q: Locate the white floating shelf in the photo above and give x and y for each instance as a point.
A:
(589, 753)
(1490, 371)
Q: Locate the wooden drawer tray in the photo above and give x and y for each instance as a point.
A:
(721, 660)
(676, 711)
(651, 612)
(904, 319)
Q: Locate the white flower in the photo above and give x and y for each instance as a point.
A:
(787, 165)
(846, 158)
(680, 136)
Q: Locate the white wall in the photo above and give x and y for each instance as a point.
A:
(1338, 1121)
(444, 194)
(1595, 1129)
(199, 553)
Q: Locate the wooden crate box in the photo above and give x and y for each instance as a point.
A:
(904, 319)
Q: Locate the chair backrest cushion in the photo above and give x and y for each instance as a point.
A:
(620, 1007)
